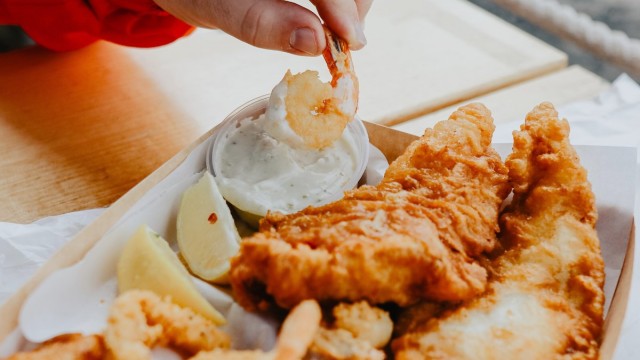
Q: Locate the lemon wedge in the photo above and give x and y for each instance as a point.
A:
(148, 263)
(207, 235)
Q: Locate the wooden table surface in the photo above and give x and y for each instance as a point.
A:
(512, 103)
(78, 129)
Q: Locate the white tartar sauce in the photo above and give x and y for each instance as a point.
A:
(258, 172)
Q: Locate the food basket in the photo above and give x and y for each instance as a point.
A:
(124, 214)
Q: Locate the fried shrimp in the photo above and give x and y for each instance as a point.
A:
(358, 332)
(296, 335)
(365, 322)
(140, 320)
(316, 112)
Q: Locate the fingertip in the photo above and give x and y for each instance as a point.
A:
(353, 35)
(298, 30)
(343, 18)
(360, 39)
(304, 41)
(363, 8)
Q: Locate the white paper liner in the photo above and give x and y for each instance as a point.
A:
(25, 247)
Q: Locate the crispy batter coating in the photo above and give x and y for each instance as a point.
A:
(140, 320)
(413, 318)
(296, 335)
(319, 112)
(365, 322)
(545, 297)
(67, 347)
(223, 354)
(340, 344)
(415, 236)
(358, 332)
(310, 107)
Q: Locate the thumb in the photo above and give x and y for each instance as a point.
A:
(268, 24)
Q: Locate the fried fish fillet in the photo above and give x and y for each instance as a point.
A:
(544, 298)
(417, 235)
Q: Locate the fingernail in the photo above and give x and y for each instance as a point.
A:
(360, 38)
(304, 40)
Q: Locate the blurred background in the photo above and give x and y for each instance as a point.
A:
(11, 37)
(623, 15)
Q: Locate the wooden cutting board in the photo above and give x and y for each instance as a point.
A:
(514, 102)
(77, 130)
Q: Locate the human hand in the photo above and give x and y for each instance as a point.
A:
(277, 24)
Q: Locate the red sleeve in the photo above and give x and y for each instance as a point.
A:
(63, 25)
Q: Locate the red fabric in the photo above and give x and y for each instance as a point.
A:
(63, 25)
(4, 14)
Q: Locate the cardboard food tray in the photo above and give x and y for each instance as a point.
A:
(391, 142)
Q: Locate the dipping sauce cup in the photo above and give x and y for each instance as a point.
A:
(257, 173)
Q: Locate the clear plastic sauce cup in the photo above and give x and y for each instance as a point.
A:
(257, 173)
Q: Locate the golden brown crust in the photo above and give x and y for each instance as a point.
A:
(67, 347)
(306, 95)
(298, 330)
(545, 297)
(139, 320)
(417, 235)
(340, 344)
(296, 335)
(358, 331)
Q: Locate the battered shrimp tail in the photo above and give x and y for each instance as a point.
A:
(316, 112)
(140, 320)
